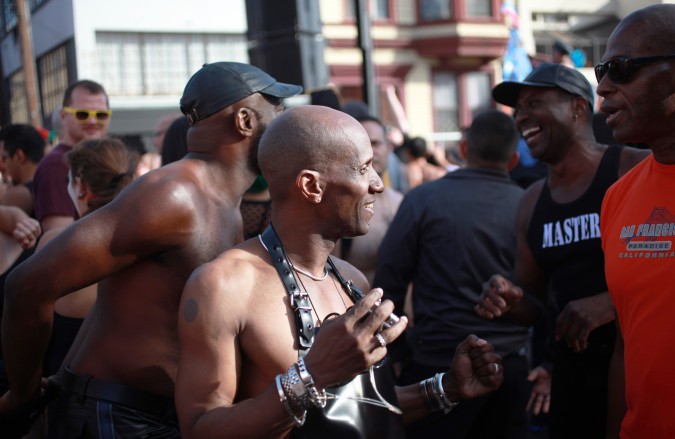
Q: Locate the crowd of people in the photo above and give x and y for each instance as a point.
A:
(299, 273)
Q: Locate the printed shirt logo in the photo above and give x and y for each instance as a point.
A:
(646, 240)
(571, 230)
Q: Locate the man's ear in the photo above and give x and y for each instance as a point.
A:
(309, 183)
(245, 121)
(20, 155)
(580, 106)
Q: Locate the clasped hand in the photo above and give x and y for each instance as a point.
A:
(347, 345)
(499, 294)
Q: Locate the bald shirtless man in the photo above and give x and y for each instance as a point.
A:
(141, 248)
(238, 329)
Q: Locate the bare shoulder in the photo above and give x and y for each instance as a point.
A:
(160, 209)
(233, 273)
(349, 272)
(630, 157)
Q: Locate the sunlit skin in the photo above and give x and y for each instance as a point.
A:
(236, 327)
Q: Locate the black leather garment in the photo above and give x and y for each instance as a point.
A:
(344, 416)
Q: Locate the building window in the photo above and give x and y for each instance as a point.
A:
(8, 15)
(478, 91)
(446, 106)
(135, 64)
(9, 12)
(432, 10)
(378, 9)
(479, 8)
(18, 103)
(53, 70)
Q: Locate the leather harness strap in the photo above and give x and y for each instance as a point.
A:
(299, 299)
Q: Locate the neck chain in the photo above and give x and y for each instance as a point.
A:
(313, 308)
(310, 275)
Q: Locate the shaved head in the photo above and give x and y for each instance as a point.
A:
(656, 26)
(308, 137)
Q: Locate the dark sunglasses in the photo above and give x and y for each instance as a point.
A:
(82, 115)
(621, 68)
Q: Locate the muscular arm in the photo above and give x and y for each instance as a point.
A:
(616, 408)
(136, 224)
(210, 364)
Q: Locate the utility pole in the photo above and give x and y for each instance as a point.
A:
(370, 91)
(25, 33)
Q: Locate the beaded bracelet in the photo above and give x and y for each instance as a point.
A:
(297, 421)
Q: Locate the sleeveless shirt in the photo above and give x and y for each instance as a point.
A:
(565, 239)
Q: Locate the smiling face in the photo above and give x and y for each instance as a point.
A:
(352, 183)
(544, 117)
(641, 109)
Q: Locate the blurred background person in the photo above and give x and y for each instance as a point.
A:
(98, 170)
(22, 149)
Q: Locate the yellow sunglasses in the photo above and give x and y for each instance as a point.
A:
(83, 115)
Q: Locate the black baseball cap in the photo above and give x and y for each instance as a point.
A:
(546, 75)
(220, 84)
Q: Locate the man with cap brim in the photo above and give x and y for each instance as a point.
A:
(559, 245)
(547, 75)
(119, 377)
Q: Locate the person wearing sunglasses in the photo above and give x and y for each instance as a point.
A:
(85, 114)
(637, 83)
(558, 244)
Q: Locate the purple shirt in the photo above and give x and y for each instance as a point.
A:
(50, 185)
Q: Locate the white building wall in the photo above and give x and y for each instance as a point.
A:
(418, 100)
(162, 16)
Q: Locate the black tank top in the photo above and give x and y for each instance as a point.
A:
(565, 237)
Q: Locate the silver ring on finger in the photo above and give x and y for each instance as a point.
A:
(497, 367)
(380, 339)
